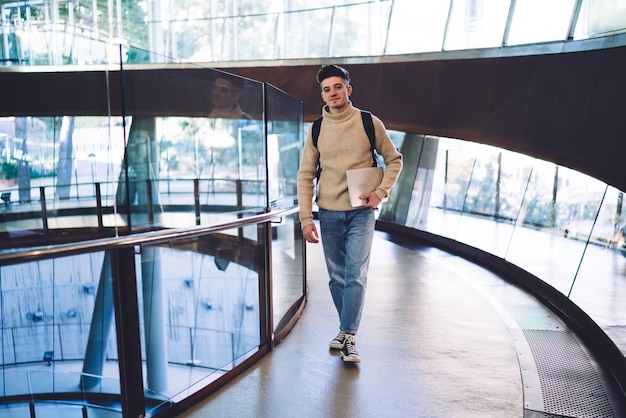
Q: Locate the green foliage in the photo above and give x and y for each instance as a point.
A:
(9, 169)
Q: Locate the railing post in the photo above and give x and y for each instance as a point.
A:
(192, 358)
(31, 402)
(149, 202)
(266, 312)
(239, 192)
(60, 342)
(99, 206)
(44, 210)
(127, 331)
(196, 199)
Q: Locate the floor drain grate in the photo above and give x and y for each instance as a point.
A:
(570, 385)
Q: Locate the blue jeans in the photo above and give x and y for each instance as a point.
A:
(347, 242)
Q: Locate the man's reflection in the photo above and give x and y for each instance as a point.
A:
(232, 138)
(226, 93)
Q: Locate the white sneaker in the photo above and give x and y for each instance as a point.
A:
(337, 342)
(348, 352)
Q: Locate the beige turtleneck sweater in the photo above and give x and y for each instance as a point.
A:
(342, 145)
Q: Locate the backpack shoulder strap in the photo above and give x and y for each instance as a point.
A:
(315, 130)
(368, 124)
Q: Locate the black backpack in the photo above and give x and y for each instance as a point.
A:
(368, 124)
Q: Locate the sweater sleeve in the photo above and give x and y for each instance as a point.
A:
(306, 178)
(391, 157)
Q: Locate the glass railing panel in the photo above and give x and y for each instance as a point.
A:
(58, 328)
(51, 164)
(284, 139)
(200, 310)
(540, 21)
(417, 26)
(201, 313)
(287, 269)
(560, 225)
(476, 24)
(66, 175)
(599, 286)
(452, 176)
(555, 223)
(202, 129)
(493, 200)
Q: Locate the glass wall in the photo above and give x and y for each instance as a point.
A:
(77, 33)
(562, 226)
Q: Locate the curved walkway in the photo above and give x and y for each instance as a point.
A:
(440, 337)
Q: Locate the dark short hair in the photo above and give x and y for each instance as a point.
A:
(236, 82)
(332, 70)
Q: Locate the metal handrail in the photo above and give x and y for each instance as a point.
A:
(21, 255)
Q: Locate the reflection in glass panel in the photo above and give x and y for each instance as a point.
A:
(67, 172)
(200, 309)
(540, 21)
(417, 26)
(287, 262)
(284, 118)
(223, 150)
(452, 176)
(226, 154)
(562, 205)
(51, 166)
(476, 24)
(483, 201)
(58, 331)
(564, 227)
(600, 285)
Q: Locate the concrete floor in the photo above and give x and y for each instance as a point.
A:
(432, 342)
(440, 337)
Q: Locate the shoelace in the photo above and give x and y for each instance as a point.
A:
(350, 345)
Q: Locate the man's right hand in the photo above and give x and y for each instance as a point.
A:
(310, 234)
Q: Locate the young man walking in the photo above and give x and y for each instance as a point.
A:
(346, 231)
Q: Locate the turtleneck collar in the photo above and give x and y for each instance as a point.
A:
(338, 116)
